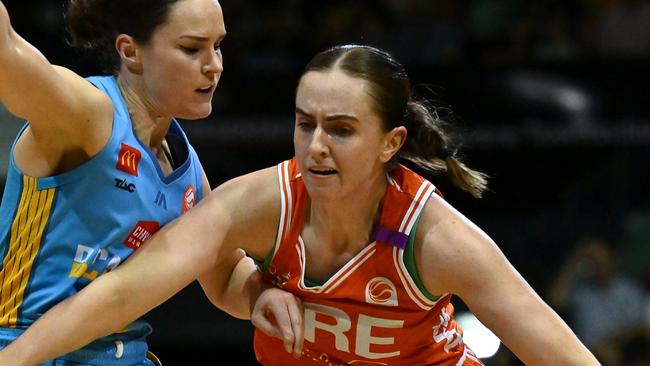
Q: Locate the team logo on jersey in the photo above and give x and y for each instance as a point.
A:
(381, 291)
(189, 198)
(91, 261)
(128, 159)
(142, 231)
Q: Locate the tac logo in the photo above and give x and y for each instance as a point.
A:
(381, 291)
(142, 231)
(128, 159)
(189, 198)
(123, 184)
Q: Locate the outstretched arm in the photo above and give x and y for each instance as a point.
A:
(66, 112)
(172, 258)
(244, 294)
(163, 266)
(235, 286)
(455, 256)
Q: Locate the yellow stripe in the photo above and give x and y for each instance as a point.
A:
(10, 257)
(26, 236)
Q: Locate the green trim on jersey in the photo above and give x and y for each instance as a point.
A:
(264, 264)
(409, 262)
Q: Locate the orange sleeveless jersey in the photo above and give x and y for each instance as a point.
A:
(371, 311)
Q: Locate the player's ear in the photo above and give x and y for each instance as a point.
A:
(128, 50)
(393, 141)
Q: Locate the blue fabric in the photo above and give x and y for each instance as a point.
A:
(100, 213)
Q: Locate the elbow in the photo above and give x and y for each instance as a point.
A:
(221, 301)
(231, 286)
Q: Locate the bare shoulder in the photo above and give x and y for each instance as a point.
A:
(447, 232)
(448, 246)
(253, 190)
(90, 102)
(93, 110)
(253, 202)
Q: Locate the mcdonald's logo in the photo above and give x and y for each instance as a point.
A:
(128, 160)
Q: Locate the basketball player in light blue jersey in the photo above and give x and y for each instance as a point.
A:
(102, 163)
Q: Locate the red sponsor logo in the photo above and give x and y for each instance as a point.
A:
(142, 231)
(128, 160)
(189, 198)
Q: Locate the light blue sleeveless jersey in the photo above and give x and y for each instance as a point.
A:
(59, 233)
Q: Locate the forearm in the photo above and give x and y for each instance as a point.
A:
(68, 323)
(160, 268)
(534, 332)
(104, 307)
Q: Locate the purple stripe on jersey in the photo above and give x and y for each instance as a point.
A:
(394, 238)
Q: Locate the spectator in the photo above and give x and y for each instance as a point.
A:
(602, 305)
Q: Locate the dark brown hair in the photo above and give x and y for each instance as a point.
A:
(93, 25)
(427, 145)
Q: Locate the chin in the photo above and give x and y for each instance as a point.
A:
(196, 114)
(321, 194)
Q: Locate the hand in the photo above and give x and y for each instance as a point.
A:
(279, 314)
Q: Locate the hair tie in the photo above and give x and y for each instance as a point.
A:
(407, 114)
(448, 152)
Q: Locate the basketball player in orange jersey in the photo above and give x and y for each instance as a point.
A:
(369, 250)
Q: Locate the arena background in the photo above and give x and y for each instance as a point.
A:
(550, 98)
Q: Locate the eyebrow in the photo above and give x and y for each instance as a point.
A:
(333, 117)
(202, 38)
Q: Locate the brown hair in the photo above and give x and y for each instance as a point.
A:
(428, 145)
(93, 25)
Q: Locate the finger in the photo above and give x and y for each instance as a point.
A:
(285, 326)
(297, 321)
(280, 320)
(265, 324)
(271, 314)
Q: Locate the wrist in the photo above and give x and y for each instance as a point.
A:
(257, 286)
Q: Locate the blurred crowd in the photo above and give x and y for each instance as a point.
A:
(605, 302)
(600, 283)
(453, 43)
(445, 31)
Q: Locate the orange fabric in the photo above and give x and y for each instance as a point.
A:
(370, 312)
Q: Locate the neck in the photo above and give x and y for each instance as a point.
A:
(347, 223)
(150, 127)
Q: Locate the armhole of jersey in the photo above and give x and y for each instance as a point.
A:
(409, 262)
(263, 265)
(285, 214)
(312, 283)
